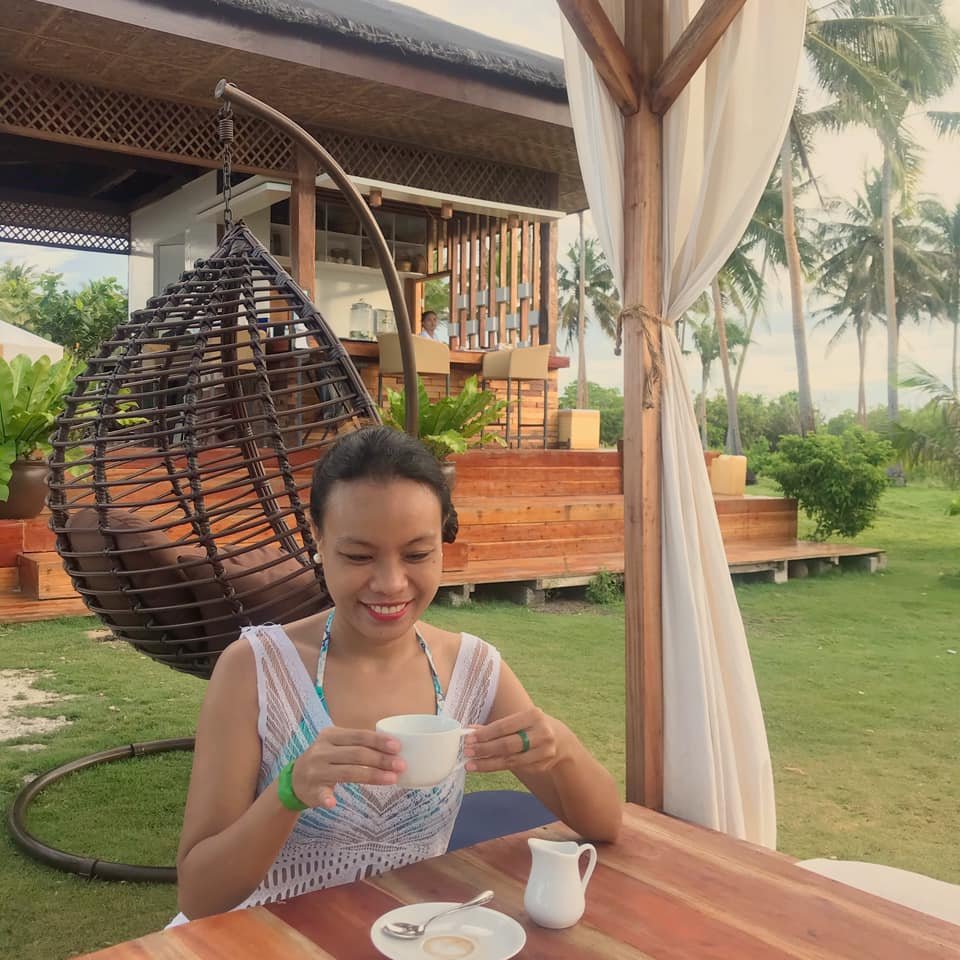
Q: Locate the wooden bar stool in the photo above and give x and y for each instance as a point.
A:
(524, 363)
(431, 357)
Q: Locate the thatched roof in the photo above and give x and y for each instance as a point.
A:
(408, 32)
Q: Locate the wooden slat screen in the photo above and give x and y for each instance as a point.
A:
(499, 270)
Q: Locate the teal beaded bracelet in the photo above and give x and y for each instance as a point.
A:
(285, 789)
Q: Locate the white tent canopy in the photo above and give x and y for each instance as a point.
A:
(14, 340)
(720, 139)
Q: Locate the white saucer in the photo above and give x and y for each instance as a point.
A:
(475, 934)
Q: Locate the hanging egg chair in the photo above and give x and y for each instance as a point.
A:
(181, 464)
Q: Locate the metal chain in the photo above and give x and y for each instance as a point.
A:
(226, 132)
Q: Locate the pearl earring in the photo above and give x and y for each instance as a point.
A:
(318, 560)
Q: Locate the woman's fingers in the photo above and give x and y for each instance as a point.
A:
(365, 757)
(506, 726)
(343, 737)
(531, 760)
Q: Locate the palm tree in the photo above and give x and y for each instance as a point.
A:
(740, 285)
(705, 334)
(592, 275)
(852, 272)
(876, 58)
(765, 240)
(943, 232)
(936, 442)
(910, 43)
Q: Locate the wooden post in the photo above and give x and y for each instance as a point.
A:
(502, 307)
(692, 48)
(303, 221)
(643, 300)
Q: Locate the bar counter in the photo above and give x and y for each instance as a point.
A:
(463, 364)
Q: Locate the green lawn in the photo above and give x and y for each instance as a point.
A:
(860, 693)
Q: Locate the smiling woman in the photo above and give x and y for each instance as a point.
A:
(294, 788)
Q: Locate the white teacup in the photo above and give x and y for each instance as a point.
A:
(429, 745)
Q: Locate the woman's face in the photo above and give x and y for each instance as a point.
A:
(429, 322)
(382, 553)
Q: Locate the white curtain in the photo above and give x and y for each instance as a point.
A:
(721, 139)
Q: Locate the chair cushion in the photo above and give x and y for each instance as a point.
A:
(147, 553)
(936, 898)
(272, 586)
(487, 814)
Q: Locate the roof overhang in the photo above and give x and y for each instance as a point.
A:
(258, 193)
(178, 51)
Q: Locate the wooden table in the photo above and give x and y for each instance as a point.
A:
(665, 891)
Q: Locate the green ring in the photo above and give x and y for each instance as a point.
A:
(524, 739)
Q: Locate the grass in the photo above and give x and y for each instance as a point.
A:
(859, 691)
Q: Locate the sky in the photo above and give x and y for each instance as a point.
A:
(839, 162)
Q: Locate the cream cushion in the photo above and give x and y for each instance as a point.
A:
(431, 356)
(524, 363)
(924, 894)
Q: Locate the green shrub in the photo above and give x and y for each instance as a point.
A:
(758, 456)
(605, 587)
(838, 481)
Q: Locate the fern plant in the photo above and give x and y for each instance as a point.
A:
(452, 424)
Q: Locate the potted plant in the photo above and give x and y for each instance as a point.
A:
(451, 424)
(31, 398)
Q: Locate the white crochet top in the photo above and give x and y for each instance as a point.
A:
(372, 829)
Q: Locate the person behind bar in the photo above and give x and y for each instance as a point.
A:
(292, 788)
(428, 325)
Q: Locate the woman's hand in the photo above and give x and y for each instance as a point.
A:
(528, 741)
(339, 755)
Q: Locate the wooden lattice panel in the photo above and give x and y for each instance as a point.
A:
(414, 167)
(53, 226)
(89, 115)
(95, 116)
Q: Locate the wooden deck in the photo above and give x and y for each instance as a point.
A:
(535, 519)
(565, 538)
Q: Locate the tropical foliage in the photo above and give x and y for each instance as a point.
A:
(31, 397)
(933, 439)
(79, 320)
(451, 424)
(838, 481)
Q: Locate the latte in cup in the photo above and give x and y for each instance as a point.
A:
(429, 745)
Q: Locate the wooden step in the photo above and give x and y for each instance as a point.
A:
(545, 530)
(752, 519)
(42, 577)
(524, 549)
(548, 571)
(522, 458)
(525, 510)
(14, 608)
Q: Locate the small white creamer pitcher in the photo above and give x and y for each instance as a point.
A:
(555, 891)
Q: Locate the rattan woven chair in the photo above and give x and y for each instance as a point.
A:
(182, 459)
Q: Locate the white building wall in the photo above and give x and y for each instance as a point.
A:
(167, 237)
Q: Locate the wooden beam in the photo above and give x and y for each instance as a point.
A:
(642, 457)
(599, 38)
(700, 37)
(303, 222)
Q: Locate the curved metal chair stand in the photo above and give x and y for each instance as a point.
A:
(70, 862)
(181, 458)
